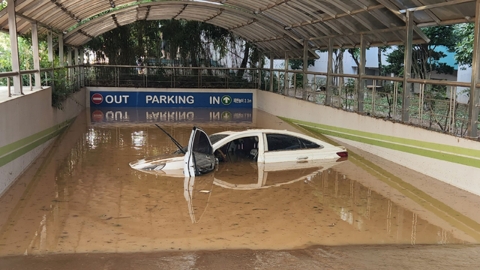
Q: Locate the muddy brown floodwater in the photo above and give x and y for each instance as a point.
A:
(81, 197)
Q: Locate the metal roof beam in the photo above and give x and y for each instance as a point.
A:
(390, 6)
(58, 31)
(214, 16)
(66, 11)
(180, 12)
(337, 16)
(399, 28)
(148, 12)
(272, 6)
(437, 5)
(112, 3)
(85, 34)
(428, 12)
(114, 18)
(242, 25)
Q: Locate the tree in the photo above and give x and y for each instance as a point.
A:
(25, 53)
(297, 64)
(425, 57)
(123, 45)
(192, 42)
(426, 60)
(464, 45)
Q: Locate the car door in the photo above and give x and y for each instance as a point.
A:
(287, 148)
(199, 158)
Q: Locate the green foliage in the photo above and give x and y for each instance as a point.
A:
(298, 63)
(464, 45)
(62, 88)
(425, 57)
(275, 78)
(298, 80)
(191, 42)
(355, 53)
(5, 55)
(441, 36)
(25, 55)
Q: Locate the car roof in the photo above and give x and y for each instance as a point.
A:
(278, 131)
(261, 130)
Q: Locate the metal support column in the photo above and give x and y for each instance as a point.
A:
(81, 60)
(407, 73)
(36, 57)
(361, 73)
(328, 97)
(60, 50)
(305, 69)
(50, 46)
(473, 105)
(285, 77)
(69, 58)
(271, 72)
(259, 68)
(12, 27)
(76, 62)
(68, 64)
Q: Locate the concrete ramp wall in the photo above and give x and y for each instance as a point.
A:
(453, 160)
(28, 125)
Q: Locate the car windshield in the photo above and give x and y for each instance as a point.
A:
(217, 137)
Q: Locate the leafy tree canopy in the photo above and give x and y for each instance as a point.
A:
(25, 53)
(191, 42)
(464, 45)
(298, 63)
(425, 57)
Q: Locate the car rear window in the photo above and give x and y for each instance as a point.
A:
(282, 142)
(308, 144)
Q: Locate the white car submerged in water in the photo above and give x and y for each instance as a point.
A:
(264, 146)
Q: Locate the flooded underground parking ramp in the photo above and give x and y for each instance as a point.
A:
(82, 196)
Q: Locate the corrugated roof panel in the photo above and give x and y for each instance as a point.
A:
(273, 24)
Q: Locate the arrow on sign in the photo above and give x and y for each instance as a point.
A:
(226, 100)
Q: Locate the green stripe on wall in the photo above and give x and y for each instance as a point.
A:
(442, 210)
(454, 154)
(25, 145)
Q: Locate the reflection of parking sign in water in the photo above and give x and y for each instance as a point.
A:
(97, 116)
(169, 115)
(226, 116)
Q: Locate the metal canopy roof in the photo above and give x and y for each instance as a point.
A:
(275, 26)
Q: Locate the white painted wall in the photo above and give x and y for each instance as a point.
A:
(464, 75)
(349, 65)
(461, 176)
(24, 116)
(30, 114)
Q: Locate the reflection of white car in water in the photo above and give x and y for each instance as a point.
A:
(260, 176)
(263, 146)
(247, 175)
